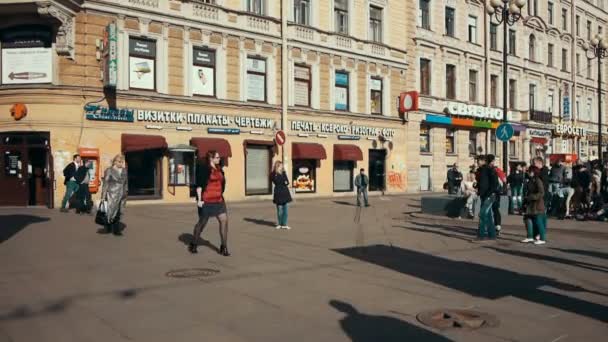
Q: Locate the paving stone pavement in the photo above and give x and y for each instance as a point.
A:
(328, 279)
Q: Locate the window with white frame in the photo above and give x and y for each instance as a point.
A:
(301, 11)
(256, 79)
(256, 7)
(376, 95)
(472, 29)
(341, 16)
(142, 63)
(302, 85)
(203, 71)
(341, 90)
(375, 24)
(27, 55)
(424, 19)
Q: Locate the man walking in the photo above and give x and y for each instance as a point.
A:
(454, 180)
(487, 183)
(71, 186)
(361, 182)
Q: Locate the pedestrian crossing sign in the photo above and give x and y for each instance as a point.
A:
(504, 132)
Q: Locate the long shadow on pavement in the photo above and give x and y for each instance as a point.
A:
(594, 254)
(187, 238)
(13, 224)
(361, 327)
(453, 230)
(260, 222)
(476, 279)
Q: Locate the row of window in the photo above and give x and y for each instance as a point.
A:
(451, 141)
(533, 10)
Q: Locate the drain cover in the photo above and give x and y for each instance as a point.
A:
(457, 319)
(192, 273)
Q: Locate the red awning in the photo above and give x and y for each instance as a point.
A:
(347, 152)
(140, 142)
(205, 145)
(258, 142)
(537, 140)
(308, 151)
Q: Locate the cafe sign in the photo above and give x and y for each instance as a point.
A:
(341, 129)
(569, 130)
(541, 133)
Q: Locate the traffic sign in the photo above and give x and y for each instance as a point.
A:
(280, 138)
(505, 132)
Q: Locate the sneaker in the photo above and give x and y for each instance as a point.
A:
(527, 240)
(278, 227)
(287, 227)
(540, 242)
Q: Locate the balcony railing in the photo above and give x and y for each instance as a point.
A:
(145, 3)
(541, 116)
(205, 11)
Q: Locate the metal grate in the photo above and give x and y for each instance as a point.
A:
(444, 319)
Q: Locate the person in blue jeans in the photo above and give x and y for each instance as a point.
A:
(281, 196)
(487, 183)
(516, 183)
(71, 186)
(536, 217)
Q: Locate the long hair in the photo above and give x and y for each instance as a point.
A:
(209, 156)
(118, 157)
(275, 166)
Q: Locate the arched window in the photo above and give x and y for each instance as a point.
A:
(532, 48)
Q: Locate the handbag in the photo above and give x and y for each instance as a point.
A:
(101, 217)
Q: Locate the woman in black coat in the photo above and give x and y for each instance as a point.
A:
(281, 196)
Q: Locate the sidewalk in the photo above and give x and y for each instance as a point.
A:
(327, 279)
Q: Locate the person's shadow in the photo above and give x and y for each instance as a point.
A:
(187, 238)
(369, 328)
(13, 224)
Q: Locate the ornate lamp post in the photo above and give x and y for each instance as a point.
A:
(598, 49)
(506, 12)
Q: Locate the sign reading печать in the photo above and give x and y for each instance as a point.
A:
(334, 128)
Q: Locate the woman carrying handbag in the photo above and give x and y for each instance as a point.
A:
(114, 194)
(281, 196)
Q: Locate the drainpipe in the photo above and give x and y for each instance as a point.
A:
(284, 75)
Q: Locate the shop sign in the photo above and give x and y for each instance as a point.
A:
(348, 137)
(110, 56)
(542, 133)
(27, 65)
(463, 109)
(341, 129)
(223, 131)
(563, 129)
(99, 113)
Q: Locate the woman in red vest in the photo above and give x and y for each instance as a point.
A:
(210, 185)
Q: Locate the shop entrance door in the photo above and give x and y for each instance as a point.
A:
(377, 170)
(25, 172)
(425, 178)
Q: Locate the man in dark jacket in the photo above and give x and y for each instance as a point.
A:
(361, 182)
(71, 186)
(557, 177)
(454, 179)
(487, 184)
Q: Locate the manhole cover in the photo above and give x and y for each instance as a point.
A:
(457, 319)
(192, 273)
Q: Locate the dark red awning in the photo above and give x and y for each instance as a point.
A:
(308, 151)
(141, 142)
(347, 152)
(537, 140)
(258, 142)
(205, 145)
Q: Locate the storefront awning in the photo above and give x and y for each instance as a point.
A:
(205, 145)
(258, 142)
(140, 142)
(347, 152)
(537, 140)
(308, 151)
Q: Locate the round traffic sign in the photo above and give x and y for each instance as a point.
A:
(280, 138)
(505, 132)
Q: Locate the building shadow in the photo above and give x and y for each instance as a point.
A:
(558, 260)
(478, 280)
(436, 232)
(13, 224)
(260, 222)
(593, 254)
(187, 238)
(471, 233)
(361, 327)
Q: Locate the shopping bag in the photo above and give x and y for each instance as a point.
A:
(100, 216)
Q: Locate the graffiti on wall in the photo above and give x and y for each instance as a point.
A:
(397, 180)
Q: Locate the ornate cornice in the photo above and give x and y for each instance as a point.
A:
(65, 39)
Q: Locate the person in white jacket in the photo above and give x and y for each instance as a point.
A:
(467, 188)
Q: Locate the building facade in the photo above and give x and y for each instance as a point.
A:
(165, 81)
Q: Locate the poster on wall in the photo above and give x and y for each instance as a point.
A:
(304, 176)
(203, 81)
(27, 65)
(256, 87)
(141, 73)
(341, 98)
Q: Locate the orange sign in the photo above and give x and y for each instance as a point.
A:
(18, 111)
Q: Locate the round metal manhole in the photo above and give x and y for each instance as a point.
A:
(457, 319)
(189, 273)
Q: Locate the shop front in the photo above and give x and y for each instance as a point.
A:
(537, 143)
(590, 146)
(566, 137)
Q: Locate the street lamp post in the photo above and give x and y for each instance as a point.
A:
(506, 12)
(598, 49)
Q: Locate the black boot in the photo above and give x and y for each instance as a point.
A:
(116, 229)
(224, 250)
(192, 248)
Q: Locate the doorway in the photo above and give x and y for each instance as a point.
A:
(425, 178)
(377, 170)
(144, 174)
(26, 174)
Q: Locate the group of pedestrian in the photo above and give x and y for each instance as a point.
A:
(77, 178)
